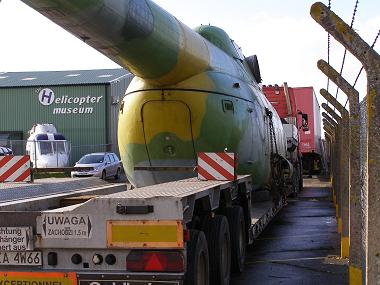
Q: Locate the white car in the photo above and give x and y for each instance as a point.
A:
(5, 151)
(100, 164)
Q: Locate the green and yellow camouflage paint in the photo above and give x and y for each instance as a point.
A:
(193, 89)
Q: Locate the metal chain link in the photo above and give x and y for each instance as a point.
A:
(328, 51)
(345, 50)
(361, 69)
(272, 134)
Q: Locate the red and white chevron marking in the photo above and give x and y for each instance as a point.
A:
(216, 166)
(15, 168)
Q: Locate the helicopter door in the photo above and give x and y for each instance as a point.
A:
(168, 133)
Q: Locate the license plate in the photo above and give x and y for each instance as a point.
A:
(30, 278)
(30, 258)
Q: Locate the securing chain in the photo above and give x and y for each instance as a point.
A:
(277, 188)
(272, 134)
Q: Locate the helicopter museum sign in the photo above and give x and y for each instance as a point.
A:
(66, 104)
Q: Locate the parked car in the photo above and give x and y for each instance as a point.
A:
(5, 151)
(101, 164)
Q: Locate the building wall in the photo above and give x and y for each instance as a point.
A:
(78, 112)
(81, 122)
(86, 114)
(115, 93)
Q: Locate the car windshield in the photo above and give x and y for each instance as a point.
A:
(95, 158)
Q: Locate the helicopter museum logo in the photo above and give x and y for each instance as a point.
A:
(66, 104)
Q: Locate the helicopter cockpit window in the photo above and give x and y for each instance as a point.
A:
(43, 144)
(45, 147)
(59, 146)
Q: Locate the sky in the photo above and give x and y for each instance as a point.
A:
(287, 41)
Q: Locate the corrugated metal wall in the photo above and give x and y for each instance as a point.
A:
(115, 91)
(85, 114)
(20, 108)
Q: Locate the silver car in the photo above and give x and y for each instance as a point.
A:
(99, 164)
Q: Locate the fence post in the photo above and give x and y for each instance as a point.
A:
(335, 180)
(343, 174)
(330, 120)
(329, 143)
(327, 123)
(355, 190)
(370, 60)
(332, 113)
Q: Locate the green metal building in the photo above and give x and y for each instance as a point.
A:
(82, 104)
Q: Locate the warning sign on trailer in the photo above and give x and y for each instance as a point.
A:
(16, 238)
(66, 226)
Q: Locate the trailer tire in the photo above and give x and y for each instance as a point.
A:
(117, 175)
(295, 185)
(236, 222)
(219, 248)
(198, 271)
(300, 181)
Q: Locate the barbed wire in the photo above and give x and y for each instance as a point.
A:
(361, 69)
(328, 51)
(345, 50)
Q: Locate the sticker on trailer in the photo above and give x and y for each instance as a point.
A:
(145, 234)
(38, 278)
(217, 166)
(16, 238)
(29, 258)
(66, 226)
(15, 168)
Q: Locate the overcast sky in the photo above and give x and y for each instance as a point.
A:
(285, 38)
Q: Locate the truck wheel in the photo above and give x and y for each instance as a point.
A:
(235, 217)
(197, 272)
(117, 175)
(219, 248)
(295, 185)
(300, 181)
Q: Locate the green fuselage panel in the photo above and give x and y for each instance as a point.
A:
(167, 127)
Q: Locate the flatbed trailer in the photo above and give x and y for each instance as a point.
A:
(180, 232)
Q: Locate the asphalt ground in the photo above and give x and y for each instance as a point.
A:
(49, 186)
(301, 244)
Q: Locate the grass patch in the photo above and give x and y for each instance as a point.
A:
(50, 175)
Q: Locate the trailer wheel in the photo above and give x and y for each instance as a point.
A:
(300, 181)
(219, 247)
(198, 272)
(117, 175)
(301, 184)
(236, 222)
(295, 185)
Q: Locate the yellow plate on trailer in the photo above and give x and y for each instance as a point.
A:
(145, 234)
(38, 278)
